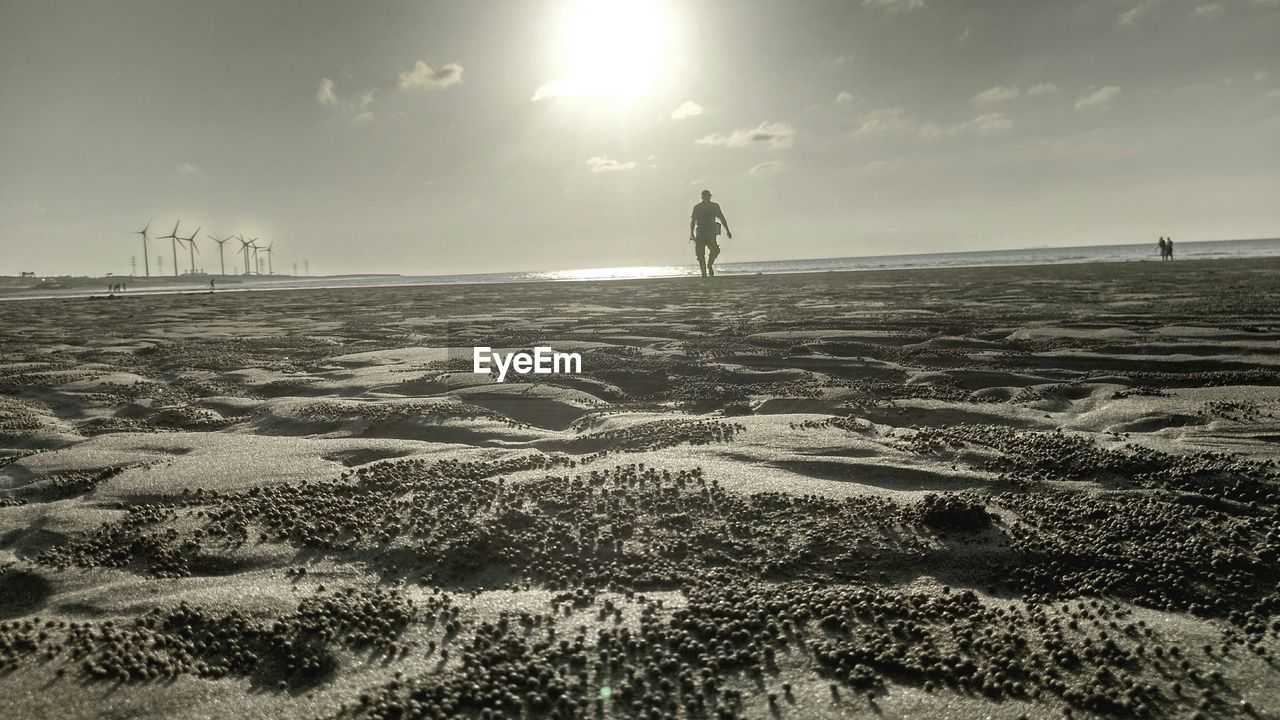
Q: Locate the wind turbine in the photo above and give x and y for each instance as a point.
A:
(143, 232)
(173, 236)
(257, 269)
(221, 260)
(191, 247)
(244, 248)
(270, 254)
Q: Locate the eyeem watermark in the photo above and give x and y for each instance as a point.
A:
(542, 361)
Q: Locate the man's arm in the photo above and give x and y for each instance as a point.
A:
(691, 222)
(727, 231)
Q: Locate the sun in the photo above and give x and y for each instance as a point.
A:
(613, 49)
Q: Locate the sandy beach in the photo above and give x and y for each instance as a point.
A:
(987, 492)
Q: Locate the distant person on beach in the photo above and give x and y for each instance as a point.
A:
(211, 284)
(703, 229)
(1160, 246)
(1168, 248)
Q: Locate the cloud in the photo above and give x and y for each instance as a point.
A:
(894, 5)
(687, 109)
(423, 76)
(325, 95)
(367, 98)
(767, 168)
(988, 124)
(1260, 75)
(844, 96)
(362, 118)
(1042, 89)
(601, 164)
(187, 168)
(556, 89)
(777, 136)
(1133, 14)
(896, 120)
(998, 93)
(882, 120)
(1099, 97)
(1210, 11)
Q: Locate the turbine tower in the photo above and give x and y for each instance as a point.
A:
(244, 248)
(222, 262)
(257, 269)
(173, 237)
(191, 247)
(270, 253)
(143, 232)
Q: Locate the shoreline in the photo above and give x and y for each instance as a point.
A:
(1190, 264)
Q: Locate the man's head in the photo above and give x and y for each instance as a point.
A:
(706, 194)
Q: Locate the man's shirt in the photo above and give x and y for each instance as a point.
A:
(704, 218)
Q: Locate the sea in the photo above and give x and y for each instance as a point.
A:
(1146, 252)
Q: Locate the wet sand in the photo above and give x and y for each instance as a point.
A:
(941, 493)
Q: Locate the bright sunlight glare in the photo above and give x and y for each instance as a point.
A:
(614, 48)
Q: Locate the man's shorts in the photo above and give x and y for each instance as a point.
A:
(701, 242)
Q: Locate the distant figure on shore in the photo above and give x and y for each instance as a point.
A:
(1168, 248)
(703, 230)
(211, 288)
(1160, 246)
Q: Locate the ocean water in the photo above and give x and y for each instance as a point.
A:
(1189, 250)
(1032, 256)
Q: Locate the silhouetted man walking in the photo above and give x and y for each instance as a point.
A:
(703, 230)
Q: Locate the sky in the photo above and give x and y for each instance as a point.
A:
(507, 135)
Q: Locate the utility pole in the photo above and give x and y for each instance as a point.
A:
(306, 264)
(295, 269)
(133, 266)
(160, 264)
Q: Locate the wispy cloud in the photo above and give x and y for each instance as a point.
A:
(894, 5)
(882, 120)
(556, 89)
(1098, 98)
(1209, 11)
(422, 75)
(325, 94)
(775, 136)
(1133, 14)
(897, 121)
(988, 124)
(687, 109)
(602, 164)
(767, 168)
(1042, 89)
(996, 94)
(844, 96)
(187, 168)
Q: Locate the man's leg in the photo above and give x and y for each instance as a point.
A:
(702, 259)
(711, 259)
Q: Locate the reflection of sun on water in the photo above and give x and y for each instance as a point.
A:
(613, 48)
(616, 273)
